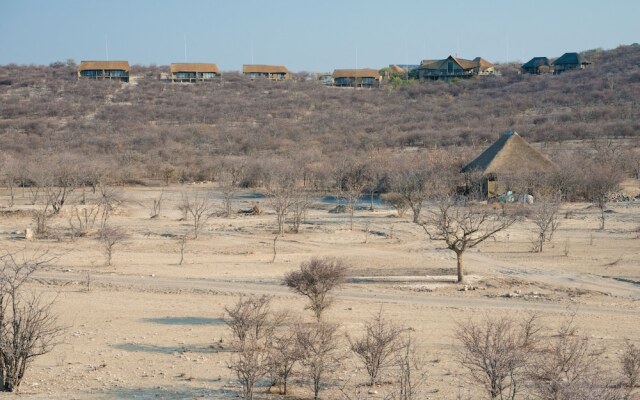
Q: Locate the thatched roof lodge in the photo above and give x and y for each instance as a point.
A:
(568, 62)
(454, 67)
(273, 72)
(363, 77)
(537, 65)
(507, 159)
(193, 72)
(111, 70)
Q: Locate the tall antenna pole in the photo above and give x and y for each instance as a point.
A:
(106, 45)
(252, 52)
(355, 83)
(406, 60)
(185, 47)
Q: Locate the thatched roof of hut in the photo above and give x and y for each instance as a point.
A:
(510, 154)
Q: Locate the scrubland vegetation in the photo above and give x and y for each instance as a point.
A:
(109, 175)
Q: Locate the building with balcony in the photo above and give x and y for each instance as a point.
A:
(272, 72)
(104, 70)
(193, 72)
(537, 66)
(454, 67)
(569, 62)
(359, 78)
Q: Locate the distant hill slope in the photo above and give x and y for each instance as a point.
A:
(46, 109)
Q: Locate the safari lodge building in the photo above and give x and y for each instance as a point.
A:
(272, 72)
(110, 70)
(193, 72)
(359, 78)
(454, 67)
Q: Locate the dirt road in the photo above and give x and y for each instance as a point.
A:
(352, 292)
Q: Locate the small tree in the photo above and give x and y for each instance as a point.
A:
(156, 206)
(601, 181)
(421, 177)
(250, 365)
(250, 318)
(378, 347)
(229, 179)
(299, 208)
(197, 206)
(252, 324)
(462, 228)
(315, 279)
(544, 214)
(354, 177)
(60, 180)
(109, 197)
(110, 237)
(398, 202)
(568, 367)
(28, 327)
(320, 346)
(630, 362)
(495, 353)
(182, 243)
(284, 353)
(410, 372)
(282, 192)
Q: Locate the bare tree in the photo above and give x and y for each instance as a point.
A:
(250, 318)
(28, 326)
(156, 206)
(567, 367)
(253, 325)
(250, 365)
(321, 354)
(182, 243)
(630, 362)
(544, 214)
(109, 196)
(410, 373)
(462, 228)
(419, 178)
(62, 180)
(396, 201)
(353, 178)
(11, 174)
(41, 217)
(601, 181)
(281, 191)
(111, 237)
(284, 353)
(301, 203)
(379, 345)
(199, 207)
(495, 352)
(229, 178)
(83, 219)
(315, 279)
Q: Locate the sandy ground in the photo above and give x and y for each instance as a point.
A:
(147, 327)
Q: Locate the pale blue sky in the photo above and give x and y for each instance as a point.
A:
(316, 35)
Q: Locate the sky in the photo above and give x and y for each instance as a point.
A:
(306, 35)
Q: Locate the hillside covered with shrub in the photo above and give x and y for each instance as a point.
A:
(46, 111)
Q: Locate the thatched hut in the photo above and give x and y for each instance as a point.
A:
(505, 161)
